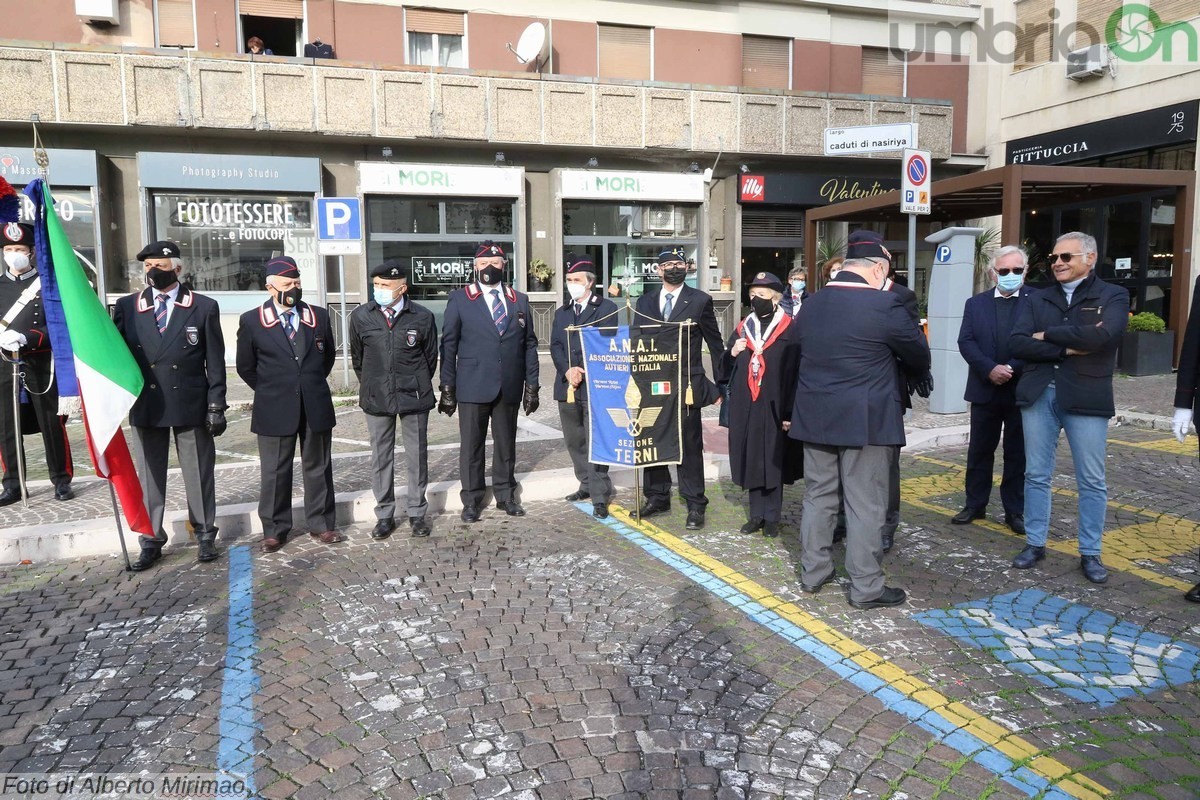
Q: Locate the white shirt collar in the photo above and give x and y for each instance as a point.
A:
(1000, 296)
(172, 293)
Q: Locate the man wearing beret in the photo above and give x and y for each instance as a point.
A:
(566, 349)
(676, 302)
(175, 336)
(489, 366)
(23, 335)
(285, 353)
(394, 351)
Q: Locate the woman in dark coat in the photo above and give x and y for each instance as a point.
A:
(764, 356)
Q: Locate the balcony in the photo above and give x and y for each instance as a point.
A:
(106, 86)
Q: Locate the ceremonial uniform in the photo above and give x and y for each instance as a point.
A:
(489, 367)
(285, 354)
(175, 337)
(566, 350)
(394, 352)
(23, 323)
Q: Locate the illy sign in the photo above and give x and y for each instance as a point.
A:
(754, 189)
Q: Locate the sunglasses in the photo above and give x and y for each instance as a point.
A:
(1065, 257)
(1013, 270)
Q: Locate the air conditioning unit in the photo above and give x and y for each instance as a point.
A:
(103, 12)
(1089, 62)
(660, 219)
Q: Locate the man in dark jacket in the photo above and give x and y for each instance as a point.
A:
(490, 367)
(992, 377)
(175, 336)
(570, 388)
(796, 292)
(676, 302)
(1187, 388)
(1068, 336)
(285, 354)
(394, 351)
(849, 416)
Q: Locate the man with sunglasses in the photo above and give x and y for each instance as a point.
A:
(992, 377)
(1068, 336)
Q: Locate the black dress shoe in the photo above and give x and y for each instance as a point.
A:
(1028, 557)
(10, 496)
(600, 510)
(575, 497)
(1093, 570)
(470, 514)
(889, 539)
(420, 526)
(804, 587)
(754, 525)
(271, 544)
(1015, 522)
(146, 559)
(771, 530)
(512, 508)
(967, 516)
(63, 492)
(891, 596)
(383, 528)
(1193, 595)
(652, 507)
(207, 551)
(695, 520)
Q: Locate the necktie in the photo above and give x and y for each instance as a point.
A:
(390, 314)
(287, 324)
(499, 316)
(578, 310)
(160, 313)
(667, 305)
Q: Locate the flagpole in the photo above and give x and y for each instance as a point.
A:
(112, 493)
(16, 379)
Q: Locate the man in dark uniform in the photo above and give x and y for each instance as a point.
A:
(566, 350)
(676, 302)
(1187, 389)
(23, 331)
(394, 352)
(285, 353)
(489, 366)
(175, 336)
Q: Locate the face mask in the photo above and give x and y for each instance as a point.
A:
(17, 262)
(161, 278)
(290, 298)
(798, 286)
(675, 275)
(576, 290)
(490, 276)
(383, 297)
(1010, 282)
(763, 307)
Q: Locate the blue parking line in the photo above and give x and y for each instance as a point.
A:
(235, 753)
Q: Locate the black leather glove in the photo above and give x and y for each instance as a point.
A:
(922, 385)
(530, 403)
(214, 421)
(448, 403)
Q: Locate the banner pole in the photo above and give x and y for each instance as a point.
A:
(112, 493)
(637, 473)
(16, 380)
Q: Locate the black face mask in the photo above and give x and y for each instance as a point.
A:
(290, 298)
(764, 307)
(161, 278)
(490, 276)
(675, 275)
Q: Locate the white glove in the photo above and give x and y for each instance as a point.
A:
(1181, 422)
(12, 340)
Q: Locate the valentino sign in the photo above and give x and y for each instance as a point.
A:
(811, 190)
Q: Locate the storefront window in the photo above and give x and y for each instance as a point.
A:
(645, 220)
(78, 216)
(227, 239)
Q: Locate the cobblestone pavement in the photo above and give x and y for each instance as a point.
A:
(557, 656)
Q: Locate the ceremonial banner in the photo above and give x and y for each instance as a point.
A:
(634, 390)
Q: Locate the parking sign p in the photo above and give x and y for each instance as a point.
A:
(338, 219)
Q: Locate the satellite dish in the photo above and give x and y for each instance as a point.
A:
(532, 44)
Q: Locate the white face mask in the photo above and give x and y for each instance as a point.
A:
(383, 297)
(576, 290)
(18, 263)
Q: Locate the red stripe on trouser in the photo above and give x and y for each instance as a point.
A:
(69, 465)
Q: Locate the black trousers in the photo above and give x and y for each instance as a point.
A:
(45, 410)
(473, 419)
(275, 499)
(987, 422)
(691, 470)
(766, 503)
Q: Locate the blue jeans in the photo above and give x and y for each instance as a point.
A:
(1088, 438)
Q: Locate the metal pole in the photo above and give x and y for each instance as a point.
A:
(345, 323)
(16, 379)
(112, 493)
(912, 252)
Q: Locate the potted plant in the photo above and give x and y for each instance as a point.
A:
(539, 275)
(1147, 348)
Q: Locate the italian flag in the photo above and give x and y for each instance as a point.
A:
(109, 379)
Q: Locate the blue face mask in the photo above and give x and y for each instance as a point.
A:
(1010, 282)
(798, 286)
(382, 296)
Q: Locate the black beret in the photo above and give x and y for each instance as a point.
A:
(391, 269)
(675, 254)
(489, 249)
(866, 244)
(283, 266)
(768, 279)
(159, 250)
(576, 263)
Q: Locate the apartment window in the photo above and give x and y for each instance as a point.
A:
(1034, 33)
(882, 74)
(625, 52)
(766, 62)
(435, 38)
(1092, 19)
(176, 23)
(279, 23)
